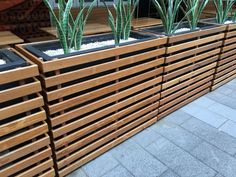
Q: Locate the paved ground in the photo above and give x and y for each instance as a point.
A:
(198, 140)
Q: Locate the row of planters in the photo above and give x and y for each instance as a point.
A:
(100, 90)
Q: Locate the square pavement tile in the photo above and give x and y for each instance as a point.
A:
(229, 127)
(181, 162)
(177, 135)
(100, 165)
(224, 111)
(178, 117)
(212, 135)
(169, 173)
(204, 102)
(208, 116)
(224, 90)
(227, 100)
(118, 171)
(78, 173)
(216, 159)
(137, 161)
(146, 137)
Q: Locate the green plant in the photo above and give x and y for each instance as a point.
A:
(223, 10)
(70, 31)
(194, 9)
(168, 11)
(121, 24)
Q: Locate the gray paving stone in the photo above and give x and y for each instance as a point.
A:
(219, 175)
(181, 162)
(229, 127)
(233, 94)
(207, 116)
(178, 117)
(190, 108)
(224, 90)
(231, 84)
(211, 135)
(137, 160)
(146, 137)
(118, 171)
(223, 99)
(177, 135)
(216, 159)
(78, 173)
(224, 111)
(100, 165)
(169, 173)
(204, 101)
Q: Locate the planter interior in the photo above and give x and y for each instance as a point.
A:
(160, 29)
(38, 49)
(12, 60)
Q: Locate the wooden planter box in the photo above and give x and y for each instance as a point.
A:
(97, 100)
(226, 66)
(25, 143)
(189, 68)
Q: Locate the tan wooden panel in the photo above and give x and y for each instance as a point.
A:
(100, 80)
(7, 37)
(187, 76)
(20, 91)
(194, 43)
(194, 51)
(38, 169)
(24, 150)
(87, 108)
(21, 107)
(106, 111)
(23, 137)
(22, 123)
(170, 90)
(96, 93)
(77, 74)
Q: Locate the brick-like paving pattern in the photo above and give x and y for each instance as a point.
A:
(199, 140)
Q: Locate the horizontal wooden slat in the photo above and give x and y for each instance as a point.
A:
(186, 76)
(27, 149)
(101, 113)
(186, 45)
(22, 123)
(20, 91)
(85, 109)
(26, 163)
(23, 137)
(103, 91)
(101, 80)
(21, 107)
(66, 77)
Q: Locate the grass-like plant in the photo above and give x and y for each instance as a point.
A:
(223, 9)
(193, 10)
(70, 31)
(121, 24)
(168, 11)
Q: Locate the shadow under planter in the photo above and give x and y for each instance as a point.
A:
(226, 65)
(190, 62)
(98, 98)
(25, 143)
